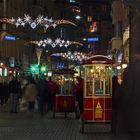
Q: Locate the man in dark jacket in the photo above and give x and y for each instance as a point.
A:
(129, 112)
(15, 91)
(43, 94)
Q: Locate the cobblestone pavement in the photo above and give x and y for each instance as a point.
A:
(21, 126)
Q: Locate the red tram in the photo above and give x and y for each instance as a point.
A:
(65, 101)
(97, 90)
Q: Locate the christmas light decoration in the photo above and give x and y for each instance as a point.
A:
(56, 42)
(76, 56)
(40, 20)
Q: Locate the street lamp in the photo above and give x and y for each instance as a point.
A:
(38, 53)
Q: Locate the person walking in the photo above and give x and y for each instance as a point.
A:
(30, 95)
(15, 91)
(43, 94)
(78, 91)
(52, 94)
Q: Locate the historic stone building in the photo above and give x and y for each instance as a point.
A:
(125, 17)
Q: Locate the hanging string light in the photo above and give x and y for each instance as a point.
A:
(76, 56)
(40, 20)
(56, 42)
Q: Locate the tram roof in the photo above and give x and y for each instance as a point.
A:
(98, 59)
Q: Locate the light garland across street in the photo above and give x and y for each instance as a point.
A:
(56, 42)
(76, 56)
(40, 20)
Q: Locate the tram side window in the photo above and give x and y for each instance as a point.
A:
(99, 86)
(108, 83)
(89, 88)
(89, 81)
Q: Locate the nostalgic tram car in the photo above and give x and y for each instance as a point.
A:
(65, 100)
(97, 90)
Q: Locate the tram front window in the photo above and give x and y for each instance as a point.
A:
(98, 80)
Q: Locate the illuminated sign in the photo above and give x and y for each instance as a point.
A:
(9, 37)
(5, 72)
(93, 39)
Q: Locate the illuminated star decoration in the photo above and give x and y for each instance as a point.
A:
(56, 42)
(40, 20)
(76, 56)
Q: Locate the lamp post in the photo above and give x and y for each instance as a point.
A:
(4, 14)
(38, 53)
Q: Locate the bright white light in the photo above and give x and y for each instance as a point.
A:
(78, 17)
(91, 70)
(33, 25)
(54, 25)
(57, 40)
(49, 41)
(46, 26)
(53, 45)
(40, 20)
(66, 45)
(118, 67)
(76, 56)
(124, 66)
(60, 45)
(17, 24)
(44, 45)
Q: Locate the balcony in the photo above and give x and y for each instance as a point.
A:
(116, 43)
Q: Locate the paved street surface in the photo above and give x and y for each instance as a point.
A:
(21, 126)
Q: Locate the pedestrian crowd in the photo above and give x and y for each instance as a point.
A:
(31, 95)
(28, 94)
